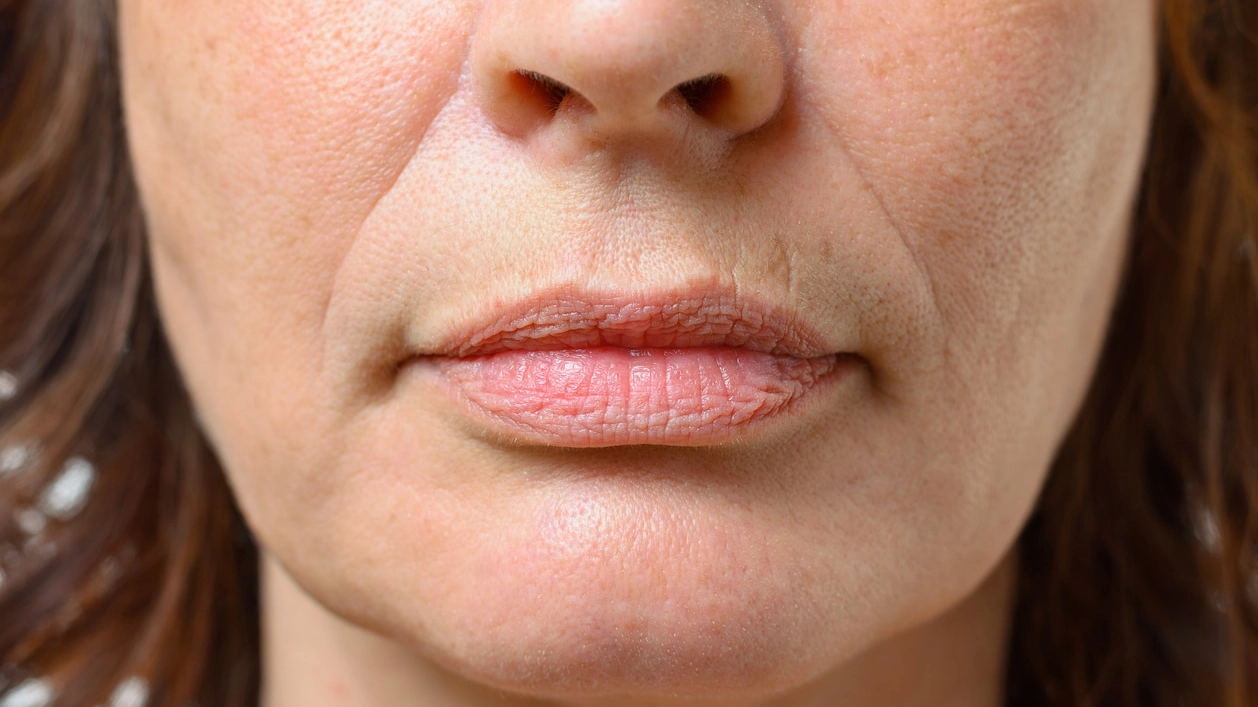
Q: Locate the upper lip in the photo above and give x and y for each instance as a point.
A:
(572, 318)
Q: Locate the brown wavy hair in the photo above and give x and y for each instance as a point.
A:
(1137, 583)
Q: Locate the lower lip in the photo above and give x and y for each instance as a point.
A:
(602, 397)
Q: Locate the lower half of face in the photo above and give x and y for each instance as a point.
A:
(637, 389)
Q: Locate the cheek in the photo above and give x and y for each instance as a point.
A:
(263, 133)
(269, 130)
(999, 137)
(1003, 142)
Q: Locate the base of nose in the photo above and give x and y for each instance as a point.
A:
(624, 66)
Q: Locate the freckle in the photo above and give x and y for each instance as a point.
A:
(879, 67)
(827, 251)
(946, 237)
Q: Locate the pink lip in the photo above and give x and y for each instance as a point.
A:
(586, 371)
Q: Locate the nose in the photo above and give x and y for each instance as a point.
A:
(610, 69)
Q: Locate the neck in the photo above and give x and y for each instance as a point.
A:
(313, 658)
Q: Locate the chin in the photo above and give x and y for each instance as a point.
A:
(643, 575)
(593, 600)
(745, 651)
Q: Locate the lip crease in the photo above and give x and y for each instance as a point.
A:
(585, 370)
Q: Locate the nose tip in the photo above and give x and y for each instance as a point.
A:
(622, 67)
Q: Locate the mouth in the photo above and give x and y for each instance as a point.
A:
(678, 369)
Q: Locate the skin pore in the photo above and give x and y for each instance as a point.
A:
(346, 198)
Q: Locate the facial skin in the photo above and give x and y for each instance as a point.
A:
(940, 188)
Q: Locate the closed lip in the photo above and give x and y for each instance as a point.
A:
(580, 369)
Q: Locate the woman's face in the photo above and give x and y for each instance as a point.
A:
(615, 387)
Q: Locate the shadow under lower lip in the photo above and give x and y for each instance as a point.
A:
(612, 396)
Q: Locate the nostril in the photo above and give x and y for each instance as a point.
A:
(705, 93)
(598, 73)
(548, 91)
(702, 94)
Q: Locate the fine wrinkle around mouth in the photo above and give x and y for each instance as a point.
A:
(569, 323)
